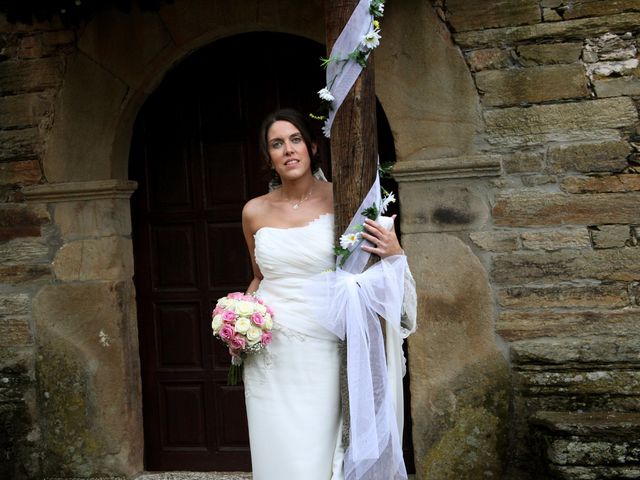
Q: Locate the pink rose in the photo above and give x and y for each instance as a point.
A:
(226, 332)
(257, 319)
(228, 316)
(237, 342)
(217, 311)
(248, 298)
(266, 338)
(259, 300)
(269, 310)
(235, 295)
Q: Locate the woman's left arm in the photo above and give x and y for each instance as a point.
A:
(385, 242)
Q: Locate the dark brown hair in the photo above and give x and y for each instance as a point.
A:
(299, 121)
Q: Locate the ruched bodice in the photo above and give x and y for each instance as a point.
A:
(287, 257)
(292, 388)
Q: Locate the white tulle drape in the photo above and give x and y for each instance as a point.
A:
(349, 302)
(342, 75)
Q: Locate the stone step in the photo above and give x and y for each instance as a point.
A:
(595, 473)
(590, 424)
(588, 445)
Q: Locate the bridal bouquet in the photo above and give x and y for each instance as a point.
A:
(243, 322)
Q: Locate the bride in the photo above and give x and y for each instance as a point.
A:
(292, 389)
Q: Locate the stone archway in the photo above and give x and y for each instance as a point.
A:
(423, 83)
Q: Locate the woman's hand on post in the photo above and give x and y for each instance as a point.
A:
(385, 242)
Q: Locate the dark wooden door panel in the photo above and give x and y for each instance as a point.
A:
(195, 157)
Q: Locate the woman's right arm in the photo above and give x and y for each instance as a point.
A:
(249, 229)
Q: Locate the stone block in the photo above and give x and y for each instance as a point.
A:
(537, 180)
(30, 46)
(478, 14)
(81, 372)
(567, 30)
(562, 295)
(608, 184)
(109, 258)
(521, 268)
(608, 156)
(58, 37)
(93, 218)
(442, 206)
(523, 162)
(558, 122)
(14, 304)
(518, 325)
(568, 351)
(591, 8)
(610, 236)
(537, 208)
(549, 53)
(22, 252)
(583, 452)
(594, 472)
(25, 172)
(589, 382)
(18, 220)
(30, 75)
(532, 85)
(26, 110)
(428, 68)
(138, 43)
(466, 385)
(15, 332)
(489, 59)
(495, 241)
(91, 102)
(19, 144)
(556, 239)
(24, 274)
(615, 87)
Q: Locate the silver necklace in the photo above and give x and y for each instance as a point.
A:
(297, 204)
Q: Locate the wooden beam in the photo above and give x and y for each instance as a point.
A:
(354, 140)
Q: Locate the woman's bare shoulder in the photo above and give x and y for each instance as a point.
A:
(257, 206)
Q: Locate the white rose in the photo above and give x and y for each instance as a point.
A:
(225, 302)
(216, 323)
(268, 322)
(254, 334)
(261, 309)
(244, 308)
(242, 324)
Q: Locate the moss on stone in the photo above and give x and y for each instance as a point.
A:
(469, 450)
(72, 444)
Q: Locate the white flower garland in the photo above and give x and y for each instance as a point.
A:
(348, 57)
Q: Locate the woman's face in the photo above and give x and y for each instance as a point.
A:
(288, 151)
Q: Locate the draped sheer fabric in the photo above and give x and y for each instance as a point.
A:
(345, 74)
(348, 302)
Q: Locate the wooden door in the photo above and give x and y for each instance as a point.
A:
(195, 156)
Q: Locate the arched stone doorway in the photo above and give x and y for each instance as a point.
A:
(195, 158)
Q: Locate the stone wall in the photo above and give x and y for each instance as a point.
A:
(31, 72)
(559, 85)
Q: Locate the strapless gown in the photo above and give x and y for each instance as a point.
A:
(292, 388)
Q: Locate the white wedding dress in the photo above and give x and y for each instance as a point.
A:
(292, 388)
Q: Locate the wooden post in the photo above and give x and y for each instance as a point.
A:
(354, 140)
(354, 152)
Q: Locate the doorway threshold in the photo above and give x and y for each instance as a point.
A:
(194, 476)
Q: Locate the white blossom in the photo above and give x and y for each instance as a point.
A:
(325, 94)
(349, 239)
(391, 198)
(371, 39)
